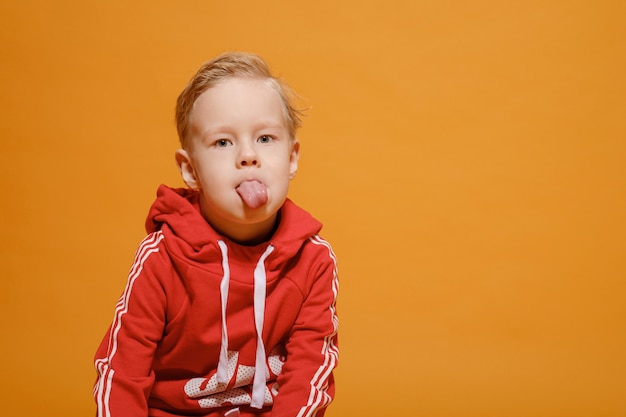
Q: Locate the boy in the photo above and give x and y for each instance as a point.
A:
(229, 309)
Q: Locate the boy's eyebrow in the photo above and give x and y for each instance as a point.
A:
(208, 132)
(227, 129)
(272, 124)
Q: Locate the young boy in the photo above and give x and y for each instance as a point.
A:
(229, 309)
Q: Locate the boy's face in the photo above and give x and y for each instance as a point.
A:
(240, 156)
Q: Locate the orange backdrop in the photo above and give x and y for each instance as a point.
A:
(467, 159)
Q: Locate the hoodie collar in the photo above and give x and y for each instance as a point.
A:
(177, 212)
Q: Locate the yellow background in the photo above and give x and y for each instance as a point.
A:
(466, 157)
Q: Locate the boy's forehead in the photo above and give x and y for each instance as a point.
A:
(239, 99)
(238, 103)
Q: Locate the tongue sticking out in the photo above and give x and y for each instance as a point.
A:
(253, 193)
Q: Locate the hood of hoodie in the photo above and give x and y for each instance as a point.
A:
(176, 211)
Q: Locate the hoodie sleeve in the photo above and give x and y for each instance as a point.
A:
(306, 383)
(124, 358)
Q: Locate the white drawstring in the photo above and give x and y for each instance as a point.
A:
(222, 366)
(260, 367)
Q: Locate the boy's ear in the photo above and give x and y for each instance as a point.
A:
(183, 161)
(293, 159)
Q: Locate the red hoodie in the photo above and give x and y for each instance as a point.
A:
(208, 327)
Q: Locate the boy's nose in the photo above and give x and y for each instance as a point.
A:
(248, 156)
(248, 162)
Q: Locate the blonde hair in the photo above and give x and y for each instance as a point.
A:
(232, 65)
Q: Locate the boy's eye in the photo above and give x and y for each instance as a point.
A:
(265, 139)
(221, 143)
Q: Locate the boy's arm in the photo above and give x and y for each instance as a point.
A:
(306, 383)
(124, 358)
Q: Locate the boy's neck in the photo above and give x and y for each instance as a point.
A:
(245, 234)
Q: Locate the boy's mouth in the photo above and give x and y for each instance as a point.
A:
(253, 193)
